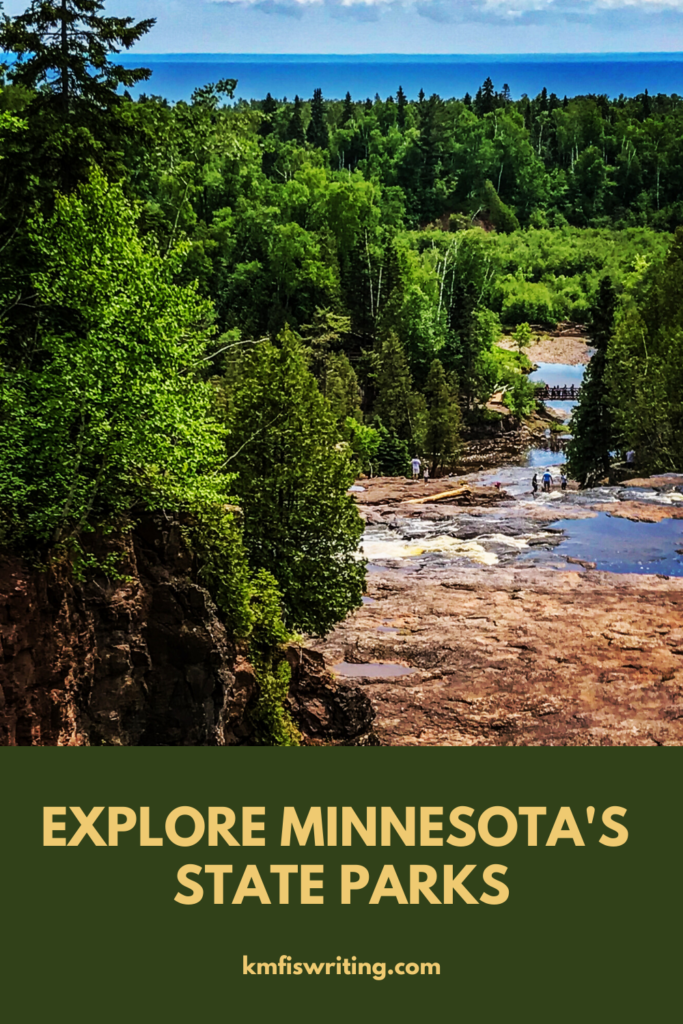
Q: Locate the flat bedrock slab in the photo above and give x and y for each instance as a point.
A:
(510, 655)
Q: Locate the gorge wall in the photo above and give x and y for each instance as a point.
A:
(145, 660)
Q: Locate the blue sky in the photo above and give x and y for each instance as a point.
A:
(409, 26)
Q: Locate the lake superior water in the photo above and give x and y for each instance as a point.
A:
(175, 76)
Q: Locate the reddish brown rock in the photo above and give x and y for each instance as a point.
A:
(383, 490)
(145, 661)
(328, 710)
(511, 656)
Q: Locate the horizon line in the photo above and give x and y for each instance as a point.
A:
(574, 54)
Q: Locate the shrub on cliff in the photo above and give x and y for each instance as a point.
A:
(104, 413)
(101, 407)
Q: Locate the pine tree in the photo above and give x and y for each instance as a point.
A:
(63, 68)
(63, 49)
(300, 524)
(402, 104)
(393, 454)
(317, 132)
(295, 128)
(268, 108)
(396, 404)
(464, 344)
(485, 100)
(347, 110)
(442, 439)
(588, 453)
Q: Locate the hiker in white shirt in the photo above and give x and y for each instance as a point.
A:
(415, 463)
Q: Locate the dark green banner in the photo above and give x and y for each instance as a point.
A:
(543, 884)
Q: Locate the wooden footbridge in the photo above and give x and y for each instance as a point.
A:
(558, 393)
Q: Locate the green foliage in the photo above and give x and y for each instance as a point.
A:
(317, 133)
(522, 337)
(294, 473)
(101, 410)
(500, 369)
(393, 454)
(65, 48)
(160, 257)
(442, 437)
(365, 443)
(500, 215)
(588, 453)
(65, 78)
(520, 398)
(267, 652)
(523, 301)
(400, 409)
(644, 371)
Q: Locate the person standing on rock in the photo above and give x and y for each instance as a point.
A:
(534, 484)
(415, 463)
(425, 473)
(547, 481)
(563, 481)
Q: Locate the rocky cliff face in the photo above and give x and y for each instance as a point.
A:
(141, 662)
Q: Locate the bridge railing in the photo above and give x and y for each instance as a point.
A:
(558, 393)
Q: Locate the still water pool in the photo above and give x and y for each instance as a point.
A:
(619, 545)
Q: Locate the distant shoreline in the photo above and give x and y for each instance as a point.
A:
(407, 58)
(176, 76)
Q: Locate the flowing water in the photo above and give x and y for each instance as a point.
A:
(509, 536)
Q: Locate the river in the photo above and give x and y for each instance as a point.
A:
(511, 619)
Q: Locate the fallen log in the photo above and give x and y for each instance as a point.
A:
(437, 497)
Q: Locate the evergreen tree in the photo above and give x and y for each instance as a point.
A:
(347, 110)
(645, 366)
(588, 453)
(402, 104)
(393, 454)
(467, 100)
(442, 437)
(485, 100)
(293, 476)
(317, 132)
(295, 128)
(464, 344)
(268, 108)
(396, 404)
(63, 49)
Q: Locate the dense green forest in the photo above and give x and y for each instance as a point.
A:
(230, 309)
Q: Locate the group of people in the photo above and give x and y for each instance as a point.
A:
(547, 481)
(416, 463)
